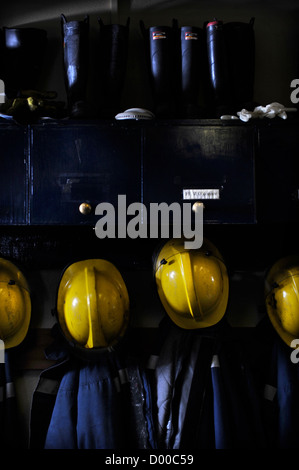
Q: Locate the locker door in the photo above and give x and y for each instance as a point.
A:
(77, 164)
(12, 174)
(212, 164)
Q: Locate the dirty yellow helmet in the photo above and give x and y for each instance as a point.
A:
(282, 297)
(92, 304)
(192, 284)
(15, 304)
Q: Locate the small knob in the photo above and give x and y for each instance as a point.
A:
(85, 208)
(197, 205)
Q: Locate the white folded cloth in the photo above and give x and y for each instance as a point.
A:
(269, 111)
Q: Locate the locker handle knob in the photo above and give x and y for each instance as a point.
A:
(85, 208)
(197, 205)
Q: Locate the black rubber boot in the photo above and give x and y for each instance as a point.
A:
(218, 68)
(23, 55)
(162, 63)
(192, 71)
(113, 55)
(75, 36)
(241, 60)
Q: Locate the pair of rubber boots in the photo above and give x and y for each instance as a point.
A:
(112, 57)
(196, 72)
(174, 58)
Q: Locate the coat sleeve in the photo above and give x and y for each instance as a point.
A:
(62, 432)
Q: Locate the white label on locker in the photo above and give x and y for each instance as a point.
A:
(201, 194)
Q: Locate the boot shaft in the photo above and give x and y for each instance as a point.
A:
(75, 36)
(114, 46)
(160, 42)
(191, 58)
(192, 71)
(231, 56)
(23, 55)
(241, 61)
(218, 63)
(113, 54)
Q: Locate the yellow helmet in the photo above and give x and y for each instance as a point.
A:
(282, 297)
(92, 304)
(15, 304)
(192, 284)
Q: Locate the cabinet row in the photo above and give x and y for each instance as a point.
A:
(57, 173)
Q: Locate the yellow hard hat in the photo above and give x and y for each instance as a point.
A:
(92, 304)
(15, 304)
(282, 297)
(192, 284)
